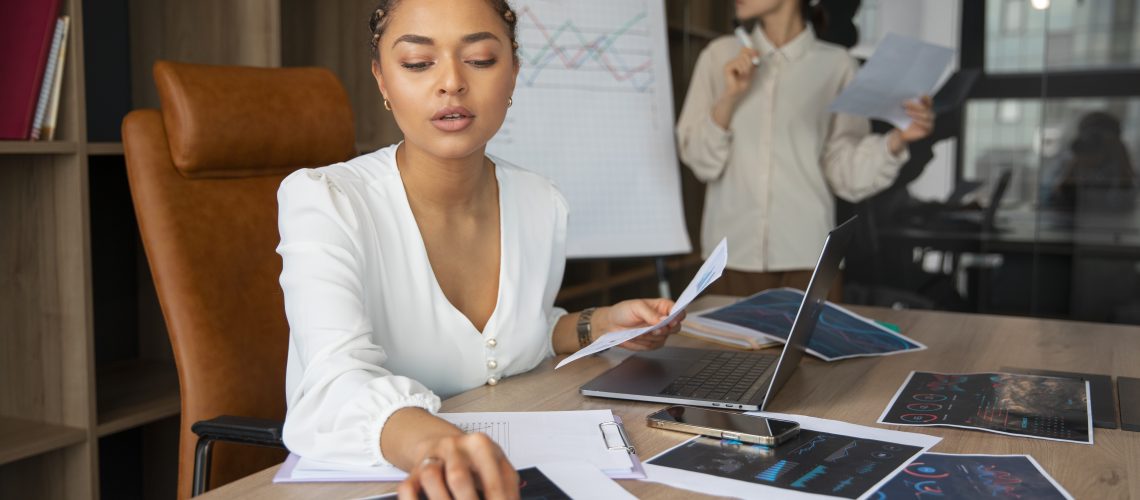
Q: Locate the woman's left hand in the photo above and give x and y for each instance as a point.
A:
(921, 113)
(637, 313)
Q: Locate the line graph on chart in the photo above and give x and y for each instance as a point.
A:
(565, 55)
(593, 112)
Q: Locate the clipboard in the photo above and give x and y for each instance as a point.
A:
(528, 439)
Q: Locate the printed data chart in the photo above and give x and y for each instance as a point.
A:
(972, 476)
(1020, 405)
(593, 111)
(812, 462)
(838, 334)
(499, 432)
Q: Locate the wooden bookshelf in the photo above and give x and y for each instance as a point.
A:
(37, 147)
(104, 148)
(20, 439)
(134, 393)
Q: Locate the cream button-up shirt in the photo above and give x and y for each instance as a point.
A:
(371, 330)
(771, 176)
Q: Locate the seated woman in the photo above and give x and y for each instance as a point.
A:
(425, 269)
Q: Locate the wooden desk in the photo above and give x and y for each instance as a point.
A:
(854, 390)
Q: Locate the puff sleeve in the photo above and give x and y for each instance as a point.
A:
(340, 399)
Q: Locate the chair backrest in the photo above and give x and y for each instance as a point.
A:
(204, 174)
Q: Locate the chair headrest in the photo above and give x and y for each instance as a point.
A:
(233, 121)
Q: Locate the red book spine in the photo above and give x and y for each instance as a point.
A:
(26, 30)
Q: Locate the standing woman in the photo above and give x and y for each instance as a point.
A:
(425, 269)
(771, 153)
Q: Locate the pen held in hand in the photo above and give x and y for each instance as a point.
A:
(746, 41)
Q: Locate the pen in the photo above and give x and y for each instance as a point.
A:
(746, 41)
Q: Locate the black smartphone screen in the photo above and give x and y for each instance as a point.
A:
(726, 421)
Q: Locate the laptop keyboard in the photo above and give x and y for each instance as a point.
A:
(721, 376)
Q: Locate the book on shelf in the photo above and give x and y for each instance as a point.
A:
(43, 126)
(27, 29)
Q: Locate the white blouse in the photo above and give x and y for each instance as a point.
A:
(370, 329)
(771, 175)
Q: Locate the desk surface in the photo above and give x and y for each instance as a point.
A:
(854, 390)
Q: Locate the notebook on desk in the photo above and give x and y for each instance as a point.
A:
(726, 379)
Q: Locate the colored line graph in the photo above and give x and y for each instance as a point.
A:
(567, 55)
(837, 334)
(841, 453)
(809, 446)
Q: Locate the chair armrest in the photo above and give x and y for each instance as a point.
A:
(248, 430)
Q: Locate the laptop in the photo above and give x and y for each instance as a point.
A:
(743, 380)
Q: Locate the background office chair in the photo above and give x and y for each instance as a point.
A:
(204, 174)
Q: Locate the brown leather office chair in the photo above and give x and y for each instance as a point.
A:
(204, 173)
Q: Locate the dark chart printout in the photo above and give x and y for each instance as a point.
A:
(533, 485)
(812, 462)
(1019, 405)
(972, 476)
(839, 333)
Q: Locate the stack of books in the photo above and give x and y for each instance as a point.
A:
(33, 47)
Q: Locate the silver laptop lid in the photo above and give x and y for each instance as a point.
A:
(826, 269)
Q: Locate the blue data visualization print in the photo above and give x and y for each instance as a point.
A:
(812, 462)
(972, 476)
(838, 334)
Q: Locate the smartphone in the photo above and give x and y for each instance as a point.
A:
(725, 424)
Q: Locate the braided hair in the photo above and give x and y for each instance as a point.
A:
(383, 12)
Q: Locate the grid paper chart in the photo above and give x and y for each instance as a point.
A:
(593, 112)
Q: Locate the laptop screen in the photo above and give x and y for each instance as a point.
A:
(826, 270)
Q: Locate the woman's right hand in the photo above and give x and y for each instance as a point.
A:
(738, 73)
(456, 466)
(737, 77)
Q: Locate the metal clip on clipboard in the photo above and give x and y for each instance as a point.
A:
(621, 443)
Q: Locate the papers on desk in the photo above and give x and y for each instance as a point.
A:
(901, 69)
(767, 317)
(560, 481)
(595, 437)
(828, 457)
(1033, 406)
(708, 273)
(973, 476)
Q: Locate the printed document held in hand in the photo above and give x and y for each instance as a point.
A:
(709, 272)
(901, 69)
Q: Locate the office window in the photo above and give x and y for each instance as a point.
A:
(1068, 35)
(1040, 142)
(867, 22)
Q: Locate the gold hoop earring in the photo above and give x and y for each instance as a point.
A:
(510, 102)
(387, 105)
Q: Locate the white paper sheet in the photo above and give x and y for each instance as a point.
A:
(901, 69)
(527, 438)
(582, 480)
(713, 485)
(708, 273)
